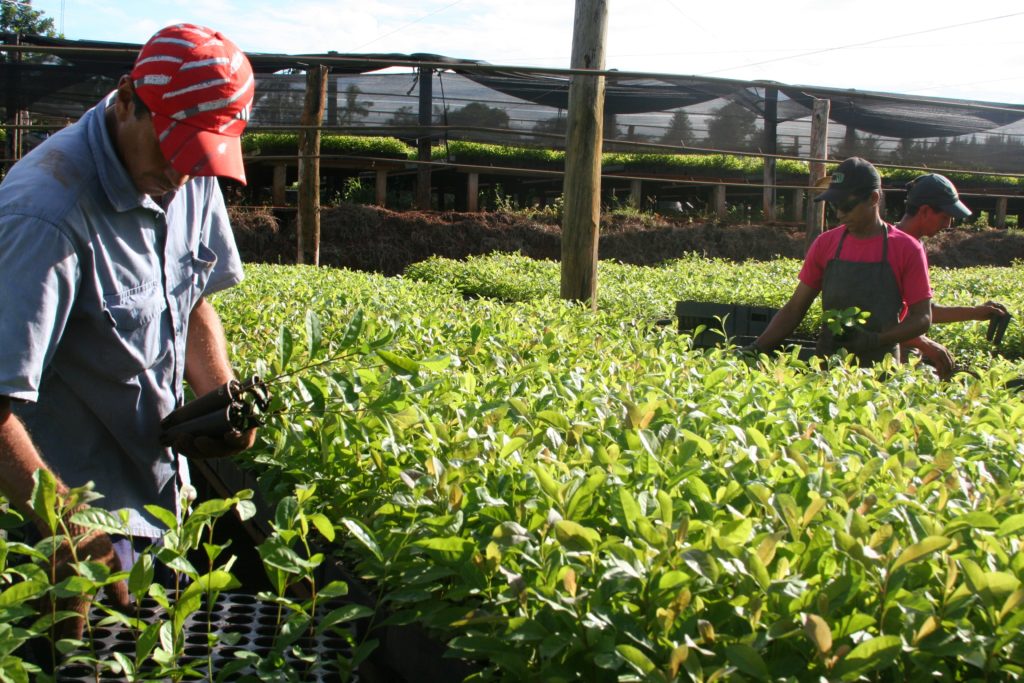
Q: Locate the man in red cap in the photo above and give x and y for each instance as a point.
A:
(864, 263)
(112, 234)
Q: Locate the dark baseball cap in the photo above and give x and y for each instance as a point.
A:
(855, 176)
(936, 191)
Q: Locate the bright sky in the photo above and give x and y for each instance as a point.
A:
(941, 48)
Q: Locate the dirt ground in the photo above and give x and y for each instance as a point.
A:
(373, 239)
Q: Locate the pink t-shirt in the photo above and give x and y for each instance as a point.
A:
(906, 256)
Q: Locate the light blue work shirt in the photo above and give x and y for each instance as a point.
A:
(97, 283)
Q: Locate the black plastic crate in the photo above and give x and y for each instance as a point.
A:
(722, 321)
(245, 617)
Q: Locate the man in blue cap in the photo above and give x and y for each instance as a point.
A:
(932, 206)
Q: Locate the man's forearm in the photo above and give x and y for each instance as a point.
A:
(956, 314)
(19, 461)
(206, 355)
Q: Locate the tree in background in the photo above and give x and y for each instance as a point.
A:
(853, 145)
(19, 17)
(731, 127)
(680, 130)
(353, 108)
(479, 115)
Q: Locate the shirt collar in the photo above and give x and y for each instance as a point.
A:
(117, 184)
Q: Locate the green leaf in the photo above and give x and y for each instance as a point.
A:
(448, 550)
(575, 536)
(1011, 526)
(314, 332)
(548, 483)
(636, 658)
(141, 576)
(920, 550)
(323, 525)
(364, 536)
(747, 660)
(630, 507)
(436, 364)
(22, 592)
(353, 330)
(869, 656)
(555, 419)
(98, 519)
(342, 615)
(285, 346)
(44, 497)
(581, 500)
(164, 516)
(665, 507)
(400, 365)
(511, 446)
(818, 631)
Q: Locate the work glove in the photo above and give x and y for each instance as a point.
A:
(231, 443)
(858, 340)
(94, 546)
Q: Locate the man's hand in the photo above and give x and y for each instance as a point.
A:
(937, 355)
(989, 310)
(208, 448)
(93, 547)
(859, 340)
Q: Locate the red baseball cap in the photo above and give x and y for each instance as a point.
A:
(199, 88)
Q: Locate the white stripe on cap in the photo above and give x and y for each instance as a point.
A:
(175, 41)
(159, 58)
(198, 64)
(153, 79)
(198, 86)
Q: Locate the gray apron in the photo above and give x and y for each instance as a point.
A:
(870, 286)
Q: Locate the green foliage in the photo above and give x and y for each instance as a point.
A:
(839, 321)
(566, 495)
(275, 144)
(37, 581)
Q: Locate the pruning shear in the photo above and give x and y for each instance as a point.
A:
(997, 325)
(233, 406)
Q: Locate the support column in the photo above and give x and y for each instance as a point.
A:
(636, 197)
(771, 146)
(999, 220)
(277, 189)
(309, 163)
(381, 187)
(582, 182)
(473, 192)
(423, 139)
(797, 205)
(819, 152)
(721, 209)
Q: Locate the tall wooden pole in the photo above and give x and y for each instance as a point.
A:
(309, 163)
(770, 146)
(819, 150)
(426, 115)
(582, 188)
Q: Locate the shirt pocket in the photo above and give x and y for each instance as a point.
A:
(203, 264)
(135, 316)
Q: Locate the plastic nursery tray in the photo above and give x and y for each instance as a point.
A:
(721, 321)
(253, 621)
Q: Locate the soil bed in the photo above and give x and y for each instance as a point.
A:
(372, 239)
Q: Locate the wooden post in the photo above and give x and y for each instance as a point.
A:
(797, 207)
(999, 220)
(309, 162)
(721, 209)
(426, 114)
(473, 192)
(582, 186)
(279, 183)
(381, 187)
(819, 150)
(636, 197)
(771, 146)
